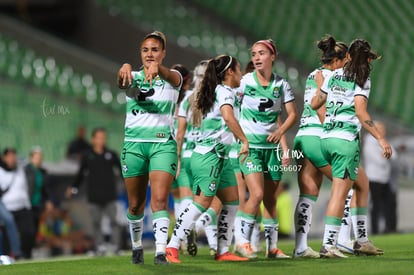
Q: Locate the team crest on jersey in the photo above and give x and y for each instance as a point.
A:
(212, 186)
(276, 92)
(157, 81)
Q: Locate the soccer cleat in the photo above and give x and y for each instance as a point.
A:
(308, 253)
(346, 247)
(212, 251)
(160, 259)
(276, 253)
(245, 250)
(192, 243)
(366, 248)
(137, 256)
(256, 248)
(331, 252)
(229, 257)
(172, 255)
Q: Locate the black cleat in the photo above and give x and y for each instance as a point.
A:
(138, 256)
(160, 260)
(192, 243)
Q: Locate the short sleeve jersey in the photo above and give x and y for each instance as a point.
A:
(310, 125)
(150, 115)
(261, 107)
(213, 127)
(341, 120)
(192, 133)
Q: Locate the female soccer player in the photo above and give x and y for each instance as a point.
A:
(263, 94)
(186, 137)
(149, 151)
(346, 93)
(212, 172)
(307, 141)
(181, 186)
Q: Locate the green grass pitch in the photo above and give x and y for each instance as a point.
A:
(398, 259)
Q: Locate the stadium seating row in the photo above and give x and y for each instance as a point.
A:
(189, 28)
(24, 65)
(42, 102)
(297, 25)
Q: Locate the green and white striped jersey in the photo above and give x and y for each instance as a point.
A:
(149, 115)
(213, 127)
(261, 107)
(310, 125)
(192, 133)
(341, 120)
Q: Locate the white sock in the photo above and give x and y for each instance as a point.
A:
(225, 226)
(205, 220)
(211, 234)
(346, 227)
(332, 227)
(303, 221)
(177, 210)
(160, 225)
(359, 222)
(184, 203)
(237, 228)
(185, 222)
(136, 227)
(255, 237)
(246, 227)
(271, 230)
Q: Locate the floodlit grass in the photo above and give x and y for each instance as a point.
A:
(398, 259)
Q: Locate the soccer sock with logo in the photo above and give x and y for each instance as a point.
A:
(345, 231)
(136, 226)
(211, 235)
(237, 228)
(211, 229)
(225, 226)
(185, 222)
(207, 218)
(160, 225)
(271, 228)
(246, 227)
(359, 223)
(303, 221)
(255, 238)
(332, 227)
(180, 204)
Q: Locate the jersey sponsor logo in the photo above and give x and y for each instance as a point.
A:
(264, 104)
(160, 135)
(250, 91)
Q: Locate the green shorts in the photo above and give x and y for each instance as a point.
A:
(266, 161)
(310, 148)
(234, 151)
(211, 173)
(140, 158)
(184, 179)
(343, 155)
